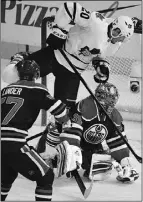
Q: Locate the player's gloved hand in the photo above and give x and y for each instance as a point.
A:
(102, 68)
(137, 25)
(18, 57)
(126, 173)
(10, 73)
(69, 174)
(57, 37)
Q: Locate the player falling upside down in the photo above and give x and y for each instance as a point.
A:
(82, 35)
(97, 129)
(21, 104)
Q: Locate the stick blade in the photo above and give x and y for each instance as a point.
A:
(88, 191)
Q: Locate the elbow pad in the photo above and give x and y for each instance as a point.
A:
(57, 38)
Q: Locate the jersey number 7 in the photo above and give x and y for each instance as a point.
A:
(18, 102)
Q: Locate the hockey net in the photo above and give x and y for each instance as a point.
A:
(122, 66)
(129, 103)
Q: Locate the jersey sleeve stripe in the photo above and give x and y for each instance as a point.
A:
(116, 143)
(70, 138)
(54, 141)
(59, 109)
(73, 131)
(77, 126)
(53, 138)
(67, 10)
(61, 112)
(118, 148)
(54, 107)
(115, 138)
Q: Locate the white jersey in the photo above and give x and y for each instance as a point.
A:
(87, 35)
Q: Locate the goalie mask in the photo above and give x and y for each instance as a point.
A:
(107, 94)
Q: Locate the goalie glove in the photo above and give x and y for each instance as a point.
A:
(102, 68)
(69, 158)
(101, 167)
(57, 37)
(126, 173)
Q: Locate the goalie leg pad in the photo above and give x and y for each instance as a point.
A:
(69, 158)
(101, 167)
(61, 158)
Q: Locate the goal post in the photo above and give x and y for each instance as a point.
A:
(44, 80)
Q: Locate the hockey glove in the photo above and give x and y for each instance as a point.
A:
(102, 68)
(18, 57)
(57, 37)
(126, 173)
(137, 25)
(10, 73)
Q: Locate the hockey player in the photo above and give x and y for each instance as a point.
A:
(21, 104)
(97, 130)
(82, 35)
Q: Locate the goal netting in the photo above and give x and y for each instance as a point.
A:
(129, 103)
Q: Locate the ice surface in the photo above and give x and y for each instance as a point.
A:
(67, 190)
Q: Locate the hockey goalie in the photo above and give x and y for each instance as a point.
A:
(102, 147)
(93, 134)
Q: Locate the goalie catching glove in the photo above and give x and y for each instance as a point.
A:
(102, 68)
(126, 173)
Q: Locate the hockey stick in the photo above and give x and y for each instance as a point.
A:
(34, 136)
(40, 134)
(94, 97)
(81, 185)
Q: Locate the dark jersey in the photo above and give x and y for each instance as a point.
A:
(21, 104)
(96, 128)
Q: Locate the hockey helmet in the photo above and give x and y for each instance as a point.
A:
(28, 70)
(122, 28)
(107, 94)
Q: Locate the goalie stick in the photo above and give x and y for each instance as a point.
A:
(94, 97)
(41, 147)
